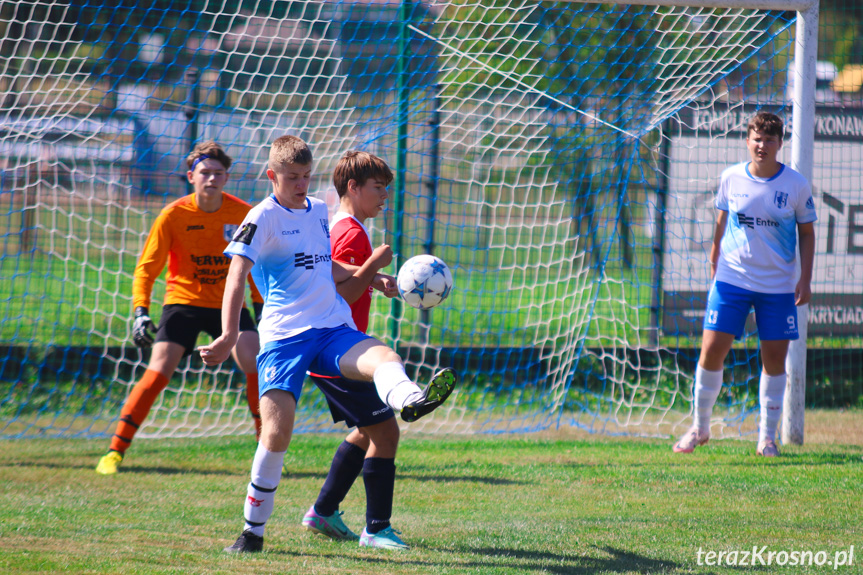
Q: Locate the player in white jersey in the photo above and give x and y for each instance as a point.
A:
(305, 325)
(765, 211)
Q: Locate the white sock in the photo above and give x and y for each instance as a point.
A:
(771, 393)
(394, 386)
(708, 384)
(266, 473)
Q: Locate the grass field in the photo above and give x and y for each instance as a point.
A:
(487, 505)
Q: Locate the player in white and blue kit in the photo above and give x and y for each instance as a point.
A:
(765, 211)
(305, 324)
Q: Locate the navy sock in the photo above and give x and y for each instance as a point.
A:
(346, 467)
(379, 476)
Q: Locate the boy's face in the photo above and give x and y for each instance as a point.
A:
(291, 184)
(763, 148)
(208, 179)
(369, 199)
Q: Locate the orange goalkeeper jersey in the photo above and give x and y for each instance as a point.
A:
(191, 241)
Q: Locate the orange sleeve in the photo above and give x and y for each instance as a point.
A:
(152, 261)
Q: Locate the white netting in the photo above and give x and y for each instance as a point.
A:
(528, 139)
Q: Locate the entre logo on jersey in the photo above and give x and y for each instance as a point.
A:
(302, 260)
(751, 222)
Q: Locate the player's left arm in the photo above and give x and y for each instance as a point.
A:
(386, 284)
(352, 281)
(806, 240)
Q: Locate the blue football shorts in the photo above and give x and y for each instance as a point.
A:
(729, 305)
(283, 364)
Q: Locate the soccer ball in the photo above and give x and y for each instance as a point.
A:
(424, 281)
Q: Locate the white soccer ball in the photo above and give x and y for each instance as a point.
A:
(424, 281)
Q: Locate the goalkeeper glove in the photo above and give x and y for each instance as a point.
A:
(259, 309)
(142, 327)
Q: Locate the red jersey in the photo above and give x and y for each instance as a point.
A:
(351, 244)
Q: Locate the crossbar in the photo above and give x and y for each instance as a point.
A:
(797, 5)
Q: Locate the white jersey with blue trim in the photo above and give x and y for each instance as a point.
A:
(293, 268)
(758, 251)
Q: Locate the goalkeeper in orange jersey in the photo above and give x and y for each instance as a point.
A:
(190, 234)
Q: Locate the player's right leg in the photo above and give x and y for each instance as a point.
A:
(725, 318)
(284, 365)
(164, 360)
(278, 408)
(379, 476)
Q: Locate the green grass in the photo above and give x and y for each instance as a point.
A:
(486, 505)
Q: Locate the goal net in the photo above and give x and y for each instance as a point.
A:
(559, 157)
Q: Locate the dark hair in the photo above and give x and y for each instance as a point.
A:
(211, 150)
(766, 123)
(289, 150)
(360, 167)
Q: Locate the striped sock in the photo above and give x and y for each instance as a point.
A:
(137, 406)
(261, 493)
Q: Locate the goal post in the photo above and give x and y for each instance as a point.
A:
(802, 138)
(531, 145)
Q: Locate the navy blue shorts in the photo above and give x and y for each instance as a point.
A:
(283, 364)
(357, 403)
(182, 324)
(728, 306)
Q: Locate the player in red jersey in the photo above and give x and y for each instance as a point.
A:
(189, 235)
(361, 180)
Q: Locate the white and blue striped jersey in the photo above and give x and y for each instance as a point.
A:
(758, 251)
(293, 268)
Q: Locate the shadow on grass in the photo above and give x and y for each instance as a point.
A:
(620, 561)
(423, 478)
(462, 479)
(517, 560)
(125, 469)
(737, 460)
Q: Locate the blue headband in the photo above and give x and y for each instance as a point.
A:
(198, 161)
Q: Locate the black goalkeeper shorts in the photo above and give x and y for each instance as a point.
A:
(181, 324)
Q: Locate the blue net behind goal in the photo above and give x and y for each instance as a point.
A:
(558, 157)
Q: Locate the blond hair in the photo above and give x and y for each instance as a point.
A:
(289, 150)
